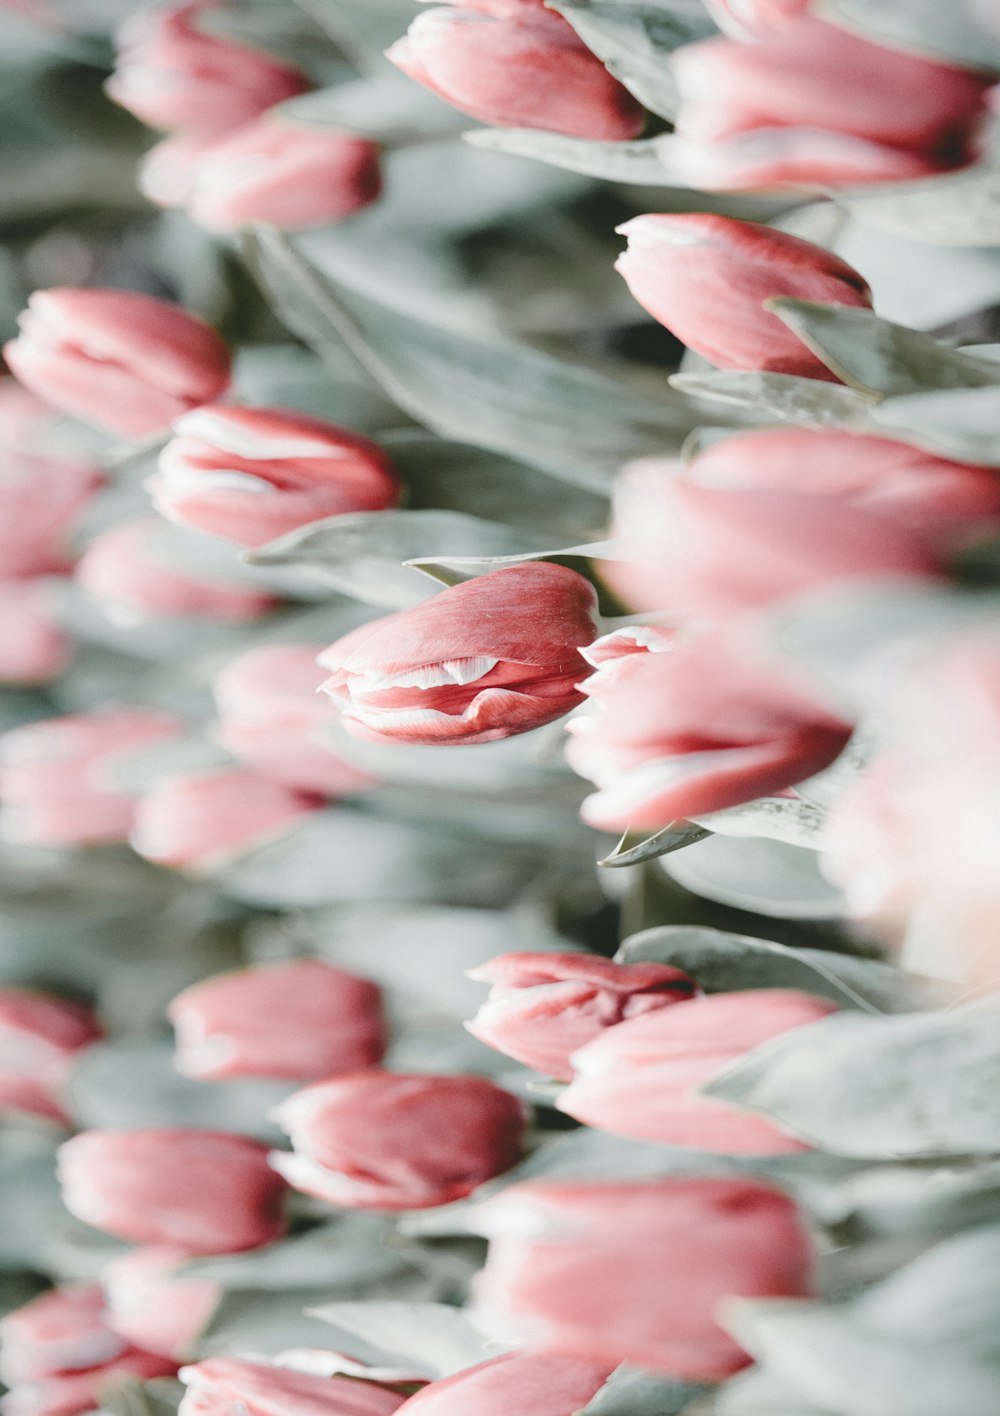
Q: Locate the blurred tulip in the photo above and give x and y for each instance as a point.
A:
(221, 1385)
(63, 1330)
(154, 1306)
(487, 659)
(42, 498)
(250, 475)
(67, 1393)
(40, 1036)
(34, 647)
(517, 1382)
(392, 1141)
(208, 1192)
(748, 19)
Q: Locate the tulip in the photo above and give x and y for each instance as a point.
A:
(749, 19)
(63, 1330)
(391, 1141)
(205, 820)
(222, 1385)
(697, 729)
(173, 74)
(517, 1382)
(636, 1272)
(154, 1306)
(42, 498)
(272, 720)
(251, 474)
(302, 1019)
(641, 1078)
(706, 278)
(67, 1393)
(40, 1036)
(34, 647)
(519, 68)
(208, 1192)
(167, 171)
(57, 775)
(489, 658)
(543, 1007)
(127, 363)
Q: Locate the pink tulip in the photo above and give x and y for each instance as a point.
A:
(489, 658)
(251, 474)
(543, 1007)
(128, 363)
(697, 729)
(154, 1306)
(751, 19)
(301, 1019)
(40, 1036)
(392, 1141)
(63, 1330)
(166, 173)
(171, 73)
(57, 775)
(517, 1382)
(208, 1192)
(636, 1272)
(706, 278)
(67, 1393)
(42, 497)
(517, 68)
(34, 647)
(124, 569)
(641, 1078)
(222, 1385)
(273, 720)
(204, 820)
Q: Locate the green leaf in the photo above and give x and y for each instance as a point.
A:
(809, 402)
(960, 423)
(265, 1323)
(351, 1251)
(451, 570)
(638, 163)
(672, 838)
(363, 28)
(788, 819)
(630, 1392)
(954, 209)
(962, 34)
(388, 107)
(431, 1338)
(754, 873)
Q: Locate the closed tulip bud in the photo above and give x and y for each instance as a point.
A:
(39, 1038)
(154, 1306)
(251, 474)
(636, 1272)
(517, 1382)
(203, 821)
(641, 1078)
(301, 1019)
(43, 498)
(171, 73)
(208, 1192)
(67, 1393)
(63, 1330)
(706, 278)
(57, 779)
(521, 68)
(543, 1007)
(697, 729)
(127, 363)
(222, 1385)
(487, 659)
(34, 648)
(392, 1141)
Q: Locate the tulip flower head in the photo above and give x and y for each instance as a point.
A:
(153, 1305)
(40, 1036)
(63, 1330)
(221, 1385)
(517, 1381)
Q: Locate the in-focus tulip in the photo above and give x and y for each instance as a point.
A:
(154, 1306)
(524, 68)
(208, 1192)
(124, 568)
(67, 1393)
(172, 73)
(706, 278)
(517, 1382)
(42, 498)
(489, 658)
(641, 1078)
(543, 1007)
(392, 1141)
(63, 1330)
(251, 474)
(635, 1272)
(128, 363)
(34, 647)
(696, 729)
(204, 820)
(40, 1036)
(301, 1019)
(272, 718)
(57, 776)
(222, 1385)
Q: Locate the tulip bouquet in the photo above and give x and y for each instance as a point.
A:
(500, 708)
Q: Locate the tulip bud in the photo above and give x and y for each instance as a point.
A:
(67, 1393)
(127, 363)
(63, 1330)
(203, 821)
(251, 474)
(517, 1382)
(543, 1007)
(519, 69)
(301, 1019)
(172, 74)
(391, 1141)
(641, 1078)
(208, 1192)
(155, 1307)
(222, 1385)
(42, 498)
(34, 648)
(273, 720)
(487, 659)
(706, 278)
(57, 776)
(635, 1272)
(39, 1037)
